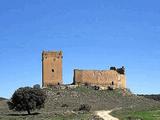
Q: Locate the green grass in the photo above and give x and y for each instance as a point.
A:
(147, 115)
(138, 115)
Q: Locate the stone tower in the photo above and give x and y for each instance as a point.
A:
(51, 68)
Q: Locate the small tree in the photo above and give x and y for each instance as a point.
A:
(27, 99)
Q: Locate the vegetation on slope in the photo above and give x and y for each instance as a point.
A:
(153, 96)
(1, 98)
(152, 113)
(137, 115)
(98, 99)
(65, 104)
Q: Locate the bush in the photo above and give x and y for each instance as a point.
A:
(64, 105)
(85, 107)
(96, 87)
(27, 99)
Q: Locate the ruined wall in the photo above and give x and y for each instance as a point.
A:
(51, 68)
(100, 77)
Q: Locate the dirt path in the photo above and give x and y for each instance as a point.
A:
(105, 115)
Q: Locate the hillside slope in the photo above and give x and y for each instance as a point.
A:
(64, 104)
(1, 98)
(98, 99)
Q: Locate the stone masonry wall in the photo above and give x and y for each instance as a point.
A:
(51, 68)
(100, 77)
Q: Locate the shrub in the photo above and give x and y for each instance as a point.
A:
(96, 87)
(85, 107)
(27, 99)
(64, 105)
(58, 93)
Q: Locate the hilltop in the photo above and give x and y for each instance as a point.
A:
(64, 103)
(1, 98)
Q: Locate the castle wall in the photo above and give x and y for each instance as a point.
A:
(52, 73)
(51, 68)
(100, 77)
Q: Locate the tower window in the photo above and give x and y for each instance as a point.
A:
(52, 70)
(112, 83)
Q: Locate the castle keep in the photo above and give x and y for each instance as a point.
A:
(51, 68)
(52, 73)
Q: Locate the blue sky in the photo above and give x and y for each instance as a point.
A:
(93, 34)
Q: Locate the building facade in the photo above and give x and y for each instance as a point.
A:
(51, 68)
(113, 77)
(52, 73)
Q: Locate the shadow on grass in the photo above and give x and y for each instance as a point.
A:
(22, 114)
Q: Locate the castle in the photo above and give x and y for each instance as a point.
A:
(52, 73)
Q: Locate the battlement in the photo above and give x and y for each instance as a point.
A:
(57, 54)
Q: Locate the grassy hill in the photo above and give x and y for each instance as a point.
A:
(64, 104)
(153, 96)
(1, 98)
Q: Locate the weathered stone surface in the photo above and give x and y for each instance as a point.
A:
(52, 73)
(100, 77)
(51, 68)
